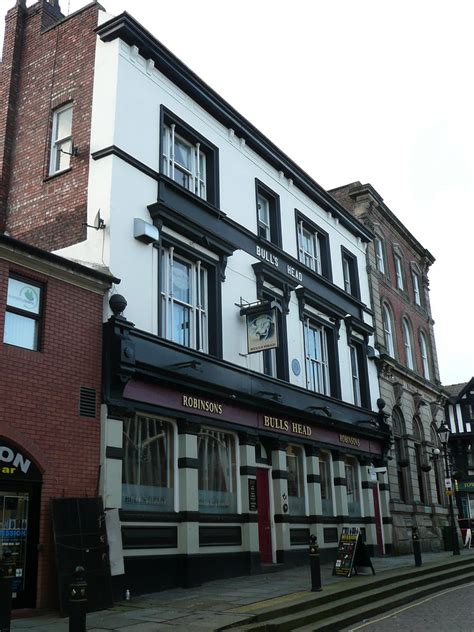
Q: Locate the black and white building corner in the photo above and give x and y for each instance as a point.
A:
(240, 393)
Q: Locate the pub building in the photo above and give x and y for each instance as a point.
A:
(214, 471)
(239, 390)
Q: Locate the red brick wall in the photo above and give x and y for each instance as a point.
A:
(56, 67)
(39, 395)
(402, 302)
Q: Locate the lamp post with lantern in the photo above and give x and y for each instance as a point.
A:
(443, 434)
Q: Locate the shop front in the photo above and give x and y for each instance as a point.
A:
(20, 490)
(210, 474)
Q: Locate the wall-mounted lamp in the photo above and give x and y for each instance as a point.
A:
(325, 409)
(191, 364)
(270, 395)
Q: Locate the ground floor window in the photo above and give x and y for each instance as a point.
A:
(217, 472)
(295, 468)
(352, 486)
(148, 464)
(326, 485)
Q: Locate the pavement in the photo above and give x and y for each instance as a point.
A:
(215, 604)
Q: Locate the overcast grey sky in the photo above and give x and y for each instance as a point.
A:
(376, 91)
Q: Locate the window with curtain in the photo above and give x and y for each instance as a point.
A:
(61, 140)
(388, 330)
(379, 255)
(401, 454)
(148, 464)
(416, 288)
(183, 161)
(424, 356)
(217, 472)
(184, 300)
(317, 366)
(420, 460)
(326, 483)
(399, 272)
(296, 487)
(313, 246)
(352, 486)
(438, 467)
(407, 344)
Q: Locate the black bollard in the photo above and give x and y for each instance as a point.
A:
(78, 601)
(315, 564)
(5, 599)
(415, 536)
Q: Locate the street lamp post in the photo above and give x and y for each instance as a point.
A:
(443, 434)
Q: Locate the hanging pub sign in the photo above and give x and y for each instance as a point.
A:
(262, 325)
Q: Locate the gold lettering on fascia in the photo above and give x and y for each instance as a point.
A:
(349, 440)
(206, 405)
(275, 423)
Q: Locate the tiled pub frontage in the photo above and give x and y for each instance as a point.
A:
(206, 481)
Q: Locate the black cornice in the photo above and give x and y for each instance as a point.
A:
(126, 28)
(130, 352)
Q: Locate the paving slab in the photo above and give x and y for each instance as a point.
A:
(217, 603)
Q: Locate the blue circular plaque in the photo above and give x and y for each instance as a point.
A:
(296, 366)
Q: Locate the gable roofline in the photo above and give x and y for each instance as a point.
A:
(354, 189)
(126, 28)
(32, 253)
(464, 388)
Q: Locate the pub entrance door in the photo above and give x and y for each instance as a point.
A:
(263, 506)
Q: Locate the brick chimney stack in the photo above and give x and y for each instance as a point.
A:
(9, 79)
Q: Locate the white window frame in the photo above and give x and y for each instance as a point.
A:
(355, 375)
(407, 343)
(346, 273)
(195, 173)
(317, 368)
(19, 309)
(416, 287)
(299, 455)
(399, 272)
(310, 258)
(198, 306)
(352, 464)
(264, 223)
(171, 467)
(379, 255)
(388, 330)
(62, 145)
(236, 453)
(424, 356)
(330, 482)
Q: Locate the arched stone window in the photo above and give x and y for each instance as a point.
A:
(389, 340)
(401, 454)
(408, 344)
(420, 460)
(437, 466)
(425, 358)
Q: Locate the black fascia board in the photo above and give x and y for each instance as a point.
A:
(39, 253)
(126, 28)
(156, 360)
